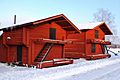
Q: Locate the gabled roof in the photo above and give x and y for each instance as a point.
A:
(88, 25)
(101, 25)
(61, 20)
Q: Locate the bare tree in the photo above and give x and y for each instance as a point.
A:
(104, 15)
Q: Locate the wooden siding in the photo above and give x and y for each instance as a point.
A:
(24, 55)
(60, 33)
(3, 53)
(77, 49)
(91, 35)
(12, 54)
(15, 36)
(42, 31)
(36, 48)
(56, 52)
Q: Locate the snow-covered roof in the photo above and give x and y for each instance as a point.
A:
(88, 25)
(60, 19)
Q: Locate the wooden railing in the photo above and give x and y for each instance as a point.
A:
(98, 41)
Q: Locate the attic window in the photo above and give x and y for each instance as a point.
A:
(96, 34)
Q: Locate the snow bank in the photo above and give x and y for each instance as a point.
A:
(67, 72)
(78, 70)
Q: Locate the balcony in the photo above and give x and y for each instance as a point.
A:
(98, 41)
(43, 40)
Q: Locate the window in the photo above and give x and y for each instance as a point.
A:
(93, 48)
(52, 33)
(96, 34)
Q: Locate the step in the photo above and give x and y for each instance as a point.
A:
(97, 56)
(42, 54)
(45, 64)
(46, 47)
(62, 62)
(44, 51)
(53, 63)
(40, 57)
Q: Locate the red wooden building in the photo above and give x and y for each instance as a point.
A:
(41, 41)
(90, 43)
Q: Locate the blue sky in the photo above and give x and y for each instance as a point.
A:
(78, 11)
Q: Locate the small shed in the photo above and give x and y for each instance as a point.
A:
(90, 43)
(37, 42)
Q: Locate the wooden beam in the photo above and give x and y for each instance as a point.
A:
(24, 36)
(67, 27)
(60, 21)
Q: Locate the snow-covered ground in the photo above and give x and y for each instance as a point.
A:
(102, 69)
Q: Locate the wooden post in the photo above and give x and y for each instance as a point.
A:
(85, 45)
(63, 54)
(102, 47)
(24, 36)
(106, 49)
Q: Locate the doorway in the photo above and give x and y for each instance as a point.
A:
(19, 53)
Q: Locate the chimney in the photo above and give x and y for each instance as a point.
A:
(14, 19)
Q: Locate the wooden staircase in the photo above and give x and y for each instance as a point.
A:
(44, 52)
(40, 61)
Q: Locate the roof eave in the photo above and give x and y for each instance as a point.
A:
(109, 31)
(57, 16)
(71, 23)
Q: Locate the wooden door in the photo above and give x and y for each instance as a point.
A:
(19, 53)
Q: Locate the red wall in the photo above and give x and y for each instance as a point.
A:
(60, 33)
(24, 55)
(15, 35)
(3, 53)
(82, 49)
(35, 50)
(56, 52)
(9, 54)
(10, 48)
(12, 54)
(42, 31)
(76, 49)
(90, 35)
(25, 36)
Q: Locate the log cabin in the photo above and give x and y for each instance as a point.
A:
(90, 42)
(40, 43)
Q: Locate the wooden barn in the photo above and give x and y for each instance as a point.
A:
(39, 43)
(90, 43)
